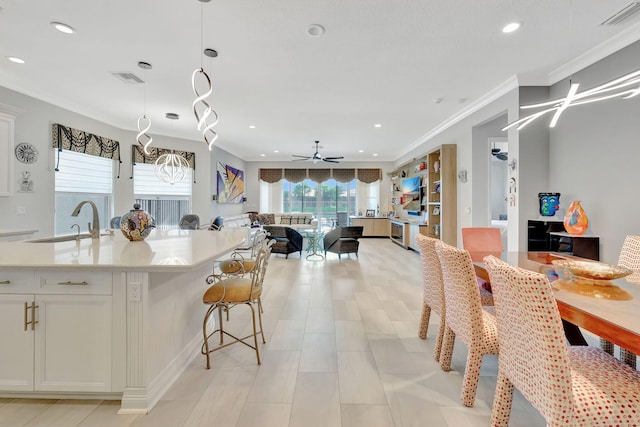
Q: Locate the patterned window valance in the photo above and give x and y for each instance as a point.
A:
(295, 175)
(138, 156)
(344, 175)
(320, 175)
(66, 138)
(270, 175)
(369, 175)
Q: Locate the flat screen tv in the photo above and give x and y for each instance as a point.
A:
(411, 194)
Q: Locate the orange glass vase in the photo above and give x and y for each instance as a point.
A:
(575, 220)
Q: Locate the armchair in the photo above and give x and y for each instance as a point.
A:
(287, 240)
(343, 240)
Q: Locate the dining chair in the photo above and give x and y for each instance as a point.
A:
(465, 317)
(189, 222)
(568, 385)
(229, 291)
(629, 257)
(480, 242)
(433, 292)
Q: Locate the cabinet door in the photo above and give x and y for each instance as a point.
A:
(16, 351)
(73, 343)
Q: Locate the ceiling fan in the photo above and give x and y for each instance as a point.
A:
(316, 157)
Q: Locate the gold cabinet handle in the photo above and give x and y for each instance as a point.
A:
(26, 309)
(33, 316)
(74, 283)
(5, 282)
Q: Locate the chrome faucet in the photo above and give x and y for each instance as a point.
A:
(94, 227)
(78, 228)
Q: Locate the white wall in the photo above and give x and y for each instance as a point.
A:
(33, 125)
(594, 154)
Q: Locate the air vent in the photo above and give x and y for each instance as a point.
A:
(128, 78)
(626, 13)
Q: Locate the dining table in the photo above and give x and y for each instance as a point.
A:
(614, 319)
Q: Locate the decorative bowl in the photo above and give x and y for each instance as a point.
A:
(592, 270)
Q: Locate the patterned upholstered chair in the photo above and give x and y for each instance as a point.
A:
(465, 317)
(433, 292)
(480, 242)
(189, 222)
(287, 240)
(229, 290)
(569, 386)
(629, 257)
(343, 240)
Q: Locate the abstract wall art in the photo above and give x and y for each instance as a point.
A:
(230, 184)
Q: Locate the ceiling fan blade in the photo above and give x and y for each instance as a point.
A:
(303, 157)
(328, 159)
(334, 158)
(301, 160)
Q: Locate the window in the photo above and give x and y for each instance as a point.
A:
(82, 177)
(324, 200)
(165, 202)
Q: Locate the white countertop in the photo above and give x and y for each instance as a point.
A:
(9, 232)
(175, 250)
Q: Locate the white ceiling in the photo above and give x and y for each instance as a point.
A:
(380, 61)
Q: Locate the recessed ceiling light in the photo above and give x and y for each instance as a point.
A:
(360, 151)
(262, 155)
(63, 28)
(252, 126)
(377, 125)
(275, 151)
(375, 154)
(172, 116)
(511, 27)
(315, 30)
(15, 59)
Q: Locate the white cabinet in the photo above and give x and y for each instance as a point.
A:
(414, 230)
(57, 337)
(6, 154)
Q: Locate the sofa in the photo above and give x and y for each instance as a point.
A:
(287, 240)
(295, 220)
(343, 240)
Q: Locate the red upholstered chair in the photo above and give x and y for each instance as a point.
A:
(569, 386)
(465, 317)
(480, 242)
(433, 292)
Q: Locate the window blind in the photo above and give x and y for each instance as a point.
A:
(84, 173)
(145, 183)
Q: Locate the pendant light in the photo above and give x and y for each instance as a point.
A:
(625, 87)
(171, 168)
(206, 116)
(144, 122)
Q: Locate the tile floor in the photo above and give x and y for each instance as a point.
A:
(342, 350)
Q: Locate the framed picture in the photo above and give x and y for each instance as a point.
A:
(371, 212)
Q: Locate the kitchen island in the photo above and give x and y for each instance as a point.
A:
(104, 318)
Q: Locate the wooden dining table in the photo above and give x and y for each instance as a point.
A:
(616, 321)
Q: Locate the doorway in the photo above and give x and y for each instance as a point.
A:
(498, 158)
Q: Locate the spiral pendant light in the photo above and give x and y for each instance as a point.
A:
(206, 117)
(144, 122)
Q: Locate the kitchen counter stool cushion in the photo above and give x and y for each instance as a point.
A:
(572, 386)
(465, 317)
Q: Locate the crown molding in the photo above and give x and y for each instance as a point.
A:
(496, 93)
(595, 54)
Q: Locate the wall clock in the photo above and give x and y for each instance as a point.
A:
(26, 153)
